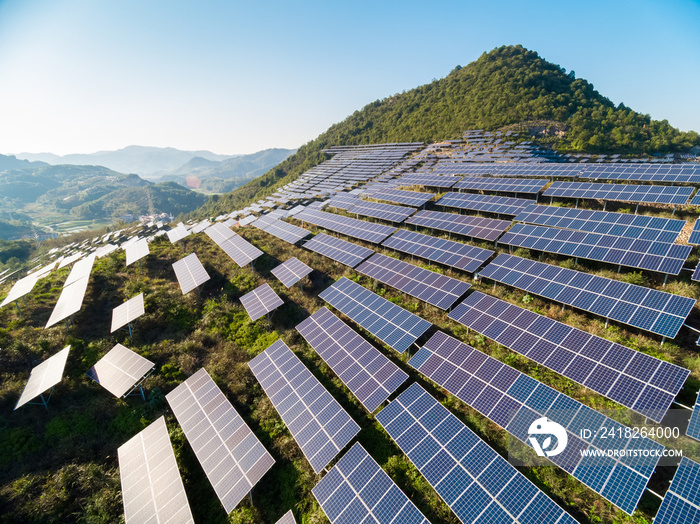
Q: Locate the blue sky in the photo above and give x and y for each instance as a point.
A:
(78, 76)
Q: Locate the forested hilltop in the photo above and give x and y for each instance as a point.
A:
(508, 86)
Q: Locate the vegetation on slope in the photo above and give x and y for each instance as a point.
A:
(509, 85)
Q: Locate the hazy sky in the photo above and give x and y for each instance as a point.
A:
(78, 76)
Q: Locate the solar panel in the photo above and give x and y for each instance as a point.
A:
(695, 234)
(81, 269)
(435, 289)
(681, 504)
(358, 490)
(351, 227)
(454, 254)
(337, 249)
(201, 226)
(604, 222)
(641, 254)
(320, 426)
(44, 376)
(178, 233)
(694, 423)
(400, 196)
(393, 325)
(486, 203)
(261, 301)
(343, 201)
(287, 518)
(502, 185)
(152, 490)
(70, 259)
(638, 381)
(655, 311)
(127, 312)
(388, 212)
(69, 302)
(190, 273)
(231, 455)
(287, 232)
(21, 288)
(428, 180)
(136, 251)
(365, 371)
(240, 250)
(471, 226)
(476, 483)
(515, 401)
(291, 272)
(621, 192)
(120, 370)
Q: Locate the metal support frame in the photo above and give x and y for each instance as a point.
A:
(139, 385)
(44, 401)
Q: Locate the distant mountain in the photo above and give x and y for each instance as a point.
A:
(142, 160)
(12, 162)
(209, 175)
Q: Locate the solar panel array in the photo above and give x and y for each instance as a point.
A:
(400, 196)
(357, 490)
(695, 234)
(435, 289)
(454, 254)
(343, 201)
(363, 369)
(604, 222)
(190, 273)
(240, 250)
(638, 381)
(284, 231)
(136, 251)
(69, 302)
(511, 169)
(291, 271)
(470, 226)
(621, 192)
(231, 455)
(127, 312)
(476, 483)
(120, 370)
(514, 401)
(501, 185)
(261, 301)
(152, 489)
(318, 423)
(646, 171)
(428, 180)
(649, 309)
(486, 203)
(387, 212)
(392, 324)
(681, 504)
(44, 376)
(339, 250)
(351, 227)
(641, 254)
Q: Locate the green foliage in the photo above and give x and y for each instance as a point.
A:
(637, 278)
(16, 444)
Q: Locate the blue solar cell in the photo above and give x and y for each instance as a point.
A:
(339, 250)
(452, 461)
(352, 227)
(318, 423)
(621, 192)
(395, 326)
(486, 203)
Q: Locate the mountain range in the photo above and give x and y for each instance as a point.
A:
(142, 160)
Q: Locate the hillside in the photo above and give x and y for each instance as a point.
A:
(509, 86)
(11, 162)
(54, 194)
(141, 160)
(226, 175)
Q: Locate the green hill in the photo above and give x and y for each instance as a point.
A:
(508, 86)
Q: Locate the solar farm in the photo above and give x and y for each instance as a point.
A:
(368, 344)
